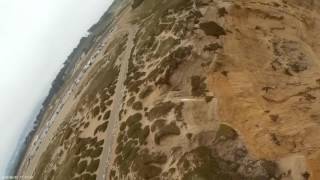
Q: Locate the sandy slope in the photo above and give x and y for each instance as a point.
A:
(195, 90)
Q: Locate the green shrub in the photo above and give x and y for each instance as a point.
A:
(136, 3)
(270, 167)
(165, 46)
(86, 125)
(88, 177)
(134, 119)
(209, 99)
(209, 167)
(135, 86)
(129, 153)
(198, 86)
(146, 92)
(86, 153)
(67, 133)
(119, 148)
(145, 161)
(123, 126)
(161, 109)
(108, 103)
(134, 130)
(150, 171)
(178, 111)
(144, 134)
(158, 124)
(131, 100)
(226, 132)
(95, 111)
(103, 107)
(120, 137)
(82, 167)
(51, 174)
(101, 128)
(99, 143)
(168, 130)
(222, 11)
(93, 141)
(93, 166)
(80, 146)
(274, 117)
(189, 135)
(112, 174)
(97, 152)
(171, 63)
(137, 106)
(107, 115)
(212, 47)
(212, 29)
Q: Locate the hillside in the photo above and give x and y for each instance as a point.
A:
(187, 89)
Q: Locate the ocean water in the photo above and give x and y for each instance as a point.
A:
(20, 147)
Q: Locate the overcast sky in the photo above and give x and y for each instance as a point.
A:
(36, 36)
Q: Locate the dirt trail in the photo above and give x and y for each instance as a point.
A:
(107, 154)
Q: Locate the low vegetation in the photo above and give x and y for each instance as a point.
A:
(167, 130)
(212, 29)
(137, 106)
(101, 128)
(106, 115)
(198, 85)
(136, 3)
(158, 124)
(226, 132)
(146, 92)
(208, 167)
(161, 109)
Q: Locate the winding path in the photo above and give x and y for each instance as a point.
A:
(107, 154)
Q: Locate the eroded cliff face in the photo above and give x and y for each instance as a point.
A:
(203, 89)
(270, 94)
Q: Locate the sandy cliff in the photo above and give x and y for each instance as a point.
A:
(190, 89)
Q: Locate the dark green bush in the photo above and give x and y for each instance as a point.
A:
(168, 130)
(226, 132)
(106, 115)
(146, 92)
(93, 166)
(95, 111)
(158, 124)
(136, 3)
(101, 128)
(97, 152)
(198, 86)
(131, 100)
(212, 29)
(137, 106)
(134, 119)
(161, 109)
(82, 167)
